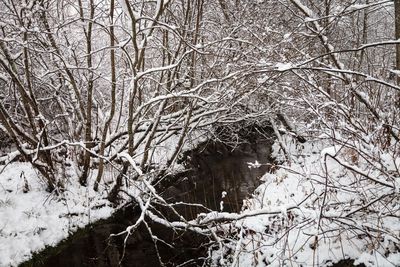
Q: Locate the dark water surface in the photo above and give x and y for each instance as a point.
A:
(212, 169)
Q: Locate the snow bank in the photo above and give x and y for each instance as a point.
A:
(35, 219)
(330, 188)
(31, 218)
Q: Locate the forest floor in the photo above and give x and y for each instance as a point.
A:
(284, 216)
(31, 218)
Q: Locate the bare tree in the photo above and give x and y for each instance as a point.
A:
(397, 37)
(102, 84)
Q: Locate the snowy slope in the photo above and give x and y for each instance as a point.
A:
(310, 212)
(30, 221)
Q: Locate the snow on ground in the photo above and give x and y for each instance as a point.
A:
(32, 220)
(283, 233)
(298, 190)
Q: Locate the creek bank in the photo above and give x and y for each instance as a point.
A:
(212, 168)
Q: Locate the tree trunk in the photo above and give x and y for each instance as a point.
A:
(397, 36)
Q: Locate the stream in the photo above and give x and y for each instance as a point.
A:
(211, 169)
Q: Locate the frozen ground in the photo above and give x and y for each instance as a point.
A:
(30, 221)
(281, 222)
(31, 218)
(277, 227)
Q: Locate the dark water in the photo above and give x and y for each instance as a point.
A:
(96, 248)
(211, 169)
(214, 168)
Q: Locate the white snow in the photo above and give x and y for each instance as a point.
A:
(283, 218)
(30, 221)
(223, 194)
(283, 66)
(280, 222)
(254, 164)
(396, 72)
